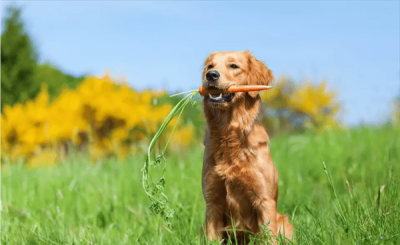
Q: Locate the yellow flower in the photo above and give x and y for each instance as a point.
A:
(183, 136)
(107, 117)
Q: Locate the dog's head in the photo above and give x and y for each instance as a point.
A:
(224, 69)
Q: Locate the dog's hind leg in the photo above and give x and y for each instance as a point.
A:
(284, 227)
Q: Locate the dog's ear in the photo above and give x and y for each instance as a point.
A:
(258, 73)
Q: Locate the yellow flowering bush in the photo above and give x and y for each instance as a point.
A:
(318, 104)
(292, 106)
(101, 116)
(183, 136)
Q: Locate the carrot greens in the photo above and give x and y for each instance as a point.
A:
(155, 189)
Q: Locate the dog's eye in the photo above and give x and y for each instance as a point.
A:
(210, 67)
(233, 66)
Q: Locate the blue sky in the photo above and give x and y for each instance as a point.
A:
(354, 45)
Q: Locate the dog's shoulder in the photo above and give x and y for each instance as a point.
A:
(259, 136)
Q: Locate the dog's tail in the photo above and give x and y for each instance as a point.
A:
(284, 227)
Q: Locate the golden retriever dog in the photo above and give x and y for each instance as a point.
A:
(239, 179)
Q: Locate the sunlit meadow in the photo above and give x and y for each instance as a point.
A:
(78, 202)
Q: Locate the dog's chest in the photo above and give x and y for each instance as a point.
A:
(233, 163)
(229, 154)
(236, 176)
(240, 184)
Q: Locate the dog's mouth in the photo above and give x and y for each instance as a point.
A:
(221, 97)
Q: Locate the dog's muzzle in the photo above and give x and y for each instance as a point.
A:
(221, 98)
(212, 76)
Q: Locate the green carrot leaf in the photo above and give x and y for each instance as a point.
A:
(155, 190)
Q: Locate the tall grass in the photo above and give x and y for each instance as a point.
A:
(78, 202)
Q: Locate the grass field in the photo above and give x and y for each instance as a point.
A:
(81, 203)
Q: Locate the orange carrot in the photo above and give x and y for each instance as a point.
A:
(235, 89)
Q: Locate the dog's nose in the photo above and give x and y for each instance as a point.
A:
(212, 76)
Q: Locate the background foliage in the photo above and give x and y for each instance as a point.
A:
(18, 61)
(100, 117)
(295, 107)
(54, 79)
(21, 75)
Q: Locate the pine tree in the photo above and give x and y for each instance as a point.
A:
(18, 61)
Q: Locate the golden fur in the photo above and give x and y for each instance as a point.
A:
(239, 179)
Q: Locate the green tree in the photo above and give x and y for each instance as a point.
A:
(18, 61)
(55, 79)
